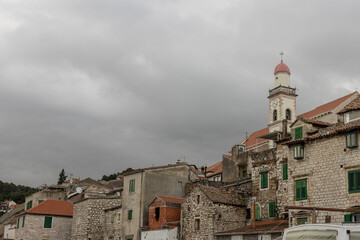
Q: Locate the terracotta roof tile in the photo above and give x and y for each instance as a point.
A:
(214, 169)
(328, 132)
(169, 199)
(53, 207)
(326, 107)
(227, 156)
(353, 105)
(269, 226)
(253, 138)
(217, 195)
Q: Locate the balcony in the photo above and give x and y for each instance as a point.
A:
(282, 89)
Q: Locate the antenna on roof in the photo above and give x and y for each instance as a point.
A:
(281, 55)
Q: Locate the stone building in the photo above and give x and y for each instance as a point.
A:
(89, 217)
(50, 219)
(207, 210)
(9, 230)
(140, 188)
(112, 223)
(324, 169)
(38, 197)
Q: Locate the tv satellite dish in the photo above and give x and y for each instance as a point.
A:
(79, 190)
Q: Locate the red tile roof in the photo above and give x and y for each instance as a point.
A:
(252, 139)
(7, 202)
(353, 105)
(282, 67)
(169, 199)
(214, 169)
(326, 107)
(227, 156)
(269, 226)
(52, 207)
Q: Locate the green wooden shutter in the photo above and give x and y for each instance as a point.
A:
(40, 201)
(257, 212)
(347, 218)
(130, 214)
(47, 222)
(304, 189)
(23, 222)
(301, 189)
(285, 171)
(351, 181)
(18, 223)
(264, 180)
(298, 132)
(272, 209)
(132, 186)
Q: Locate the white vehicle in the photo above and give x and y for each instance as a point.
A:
(323, 231)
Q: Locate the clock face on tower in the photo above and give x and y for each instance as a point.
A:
(275, 103)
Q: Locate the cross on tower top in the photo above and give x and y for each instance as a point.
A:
(281, 54)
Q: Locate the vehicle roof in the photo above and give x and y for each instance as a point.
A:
(350, 226)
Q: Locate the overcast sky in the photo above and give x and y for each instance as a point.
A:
(95, 87)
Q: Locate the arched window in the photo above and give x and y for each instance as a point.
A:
(288, 114)
(275, 115)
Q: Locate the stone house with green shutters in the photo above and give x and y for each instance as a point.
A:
(49, 220)
(38, 197)
(324, 169)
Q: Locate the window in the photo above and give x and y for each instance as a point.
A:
(264, 180)
(347, 218)
(327, 219)
(301, 189)
(298, 133)
(29, 205)
(119, 217)
(47, 222)
(23, 222)
(130, 212)
(275, 115)
(288, 114)
(180, 184)
(248, 213)
(132, 185)
(197, 224)
(244, 173)
(112, 217)
(301, 220)
(18, 223)
(354, 181)
(352, 140)
(40, 201)
(346, 118)
(272, 209)
(157, 213)
(299, 151)
(257, 212)
(285, 171)
(198, 199)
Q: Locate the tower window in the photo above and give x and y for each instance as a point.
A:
(288, 114)
(275, 115)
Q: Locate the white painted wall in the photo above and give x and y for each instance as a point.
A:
(163, 234)
(9, 231)
(240, 237)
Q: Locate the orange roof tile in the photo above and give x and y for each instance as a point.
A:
(169, 199)
(53, 207)
(214, 169)
(227, 156)
(326, 107)
(252, 139)
(353, 105)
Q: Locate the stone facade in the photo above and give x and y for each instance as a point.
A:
(34, 228)
(202, 217)
(43, 195)
(112, 223)
(89, 218)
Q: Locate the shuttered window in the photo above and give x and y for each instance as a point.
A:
(132, 186)
(29, 205)
(352, 140)
(347, 218)
(299, 151)
(40, 201)
(285, 171)
(18, 223)
(264, 180)
(23, 222)
(301, 189)
(298, 132)
(301, 220)
(130, 212)
(354, 181)
(272, 209)
(257, 212)
(48, 222)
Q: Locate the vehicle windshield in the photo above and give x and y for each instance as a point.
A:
(312, 234)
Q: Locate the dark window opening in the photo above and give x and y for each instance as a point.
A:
(198, 199)
(327, 219)
(248, 213)
(244, 173)
(275, 115)
(197, 224)
(288, 114)
(157, 213)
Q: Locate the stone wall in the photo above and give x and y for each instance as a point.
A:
(34, 228)
(44, 195)
(88, 219)
(213, 217)
(112, 218)
(325, 165)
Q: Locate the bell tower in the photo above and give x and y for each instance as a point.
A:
(282, 99)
